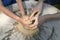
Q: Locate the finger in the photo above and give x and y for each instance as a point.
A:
(29, 22)
(34, 13)
(32, 25)
(35, 23)
(25, 18)
(34, 18)
(32, 21)
(34, 28)
(37, 10)
(38, 13)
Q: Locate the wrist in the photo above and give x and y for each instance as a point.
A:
(19, 19)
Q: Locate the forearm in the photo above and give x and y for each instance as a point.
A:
(9, 13)
(40, 6)
(21, 7)
(53, 16)
(45, 18)
(36, 11)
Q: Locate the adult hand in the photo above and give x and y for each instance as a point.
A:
(34, 23)
(26, 21)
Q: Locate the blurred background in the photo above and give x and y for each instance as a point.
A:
(55, 3)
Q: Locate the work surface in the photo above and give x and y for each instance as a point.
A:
(49, 31)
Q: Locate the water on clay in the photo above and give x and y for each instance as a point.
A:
(48, 31)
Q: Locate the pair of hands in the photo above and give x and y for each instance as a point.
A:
(30, 22)
(25, 20)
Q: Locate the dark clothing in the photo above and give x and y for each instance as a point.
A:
(53, 2)
(9, 2)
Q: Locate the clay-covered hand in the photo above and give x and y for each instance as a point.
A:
(26, 21)
(30, 23)
(36, 11)
(34, 23)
